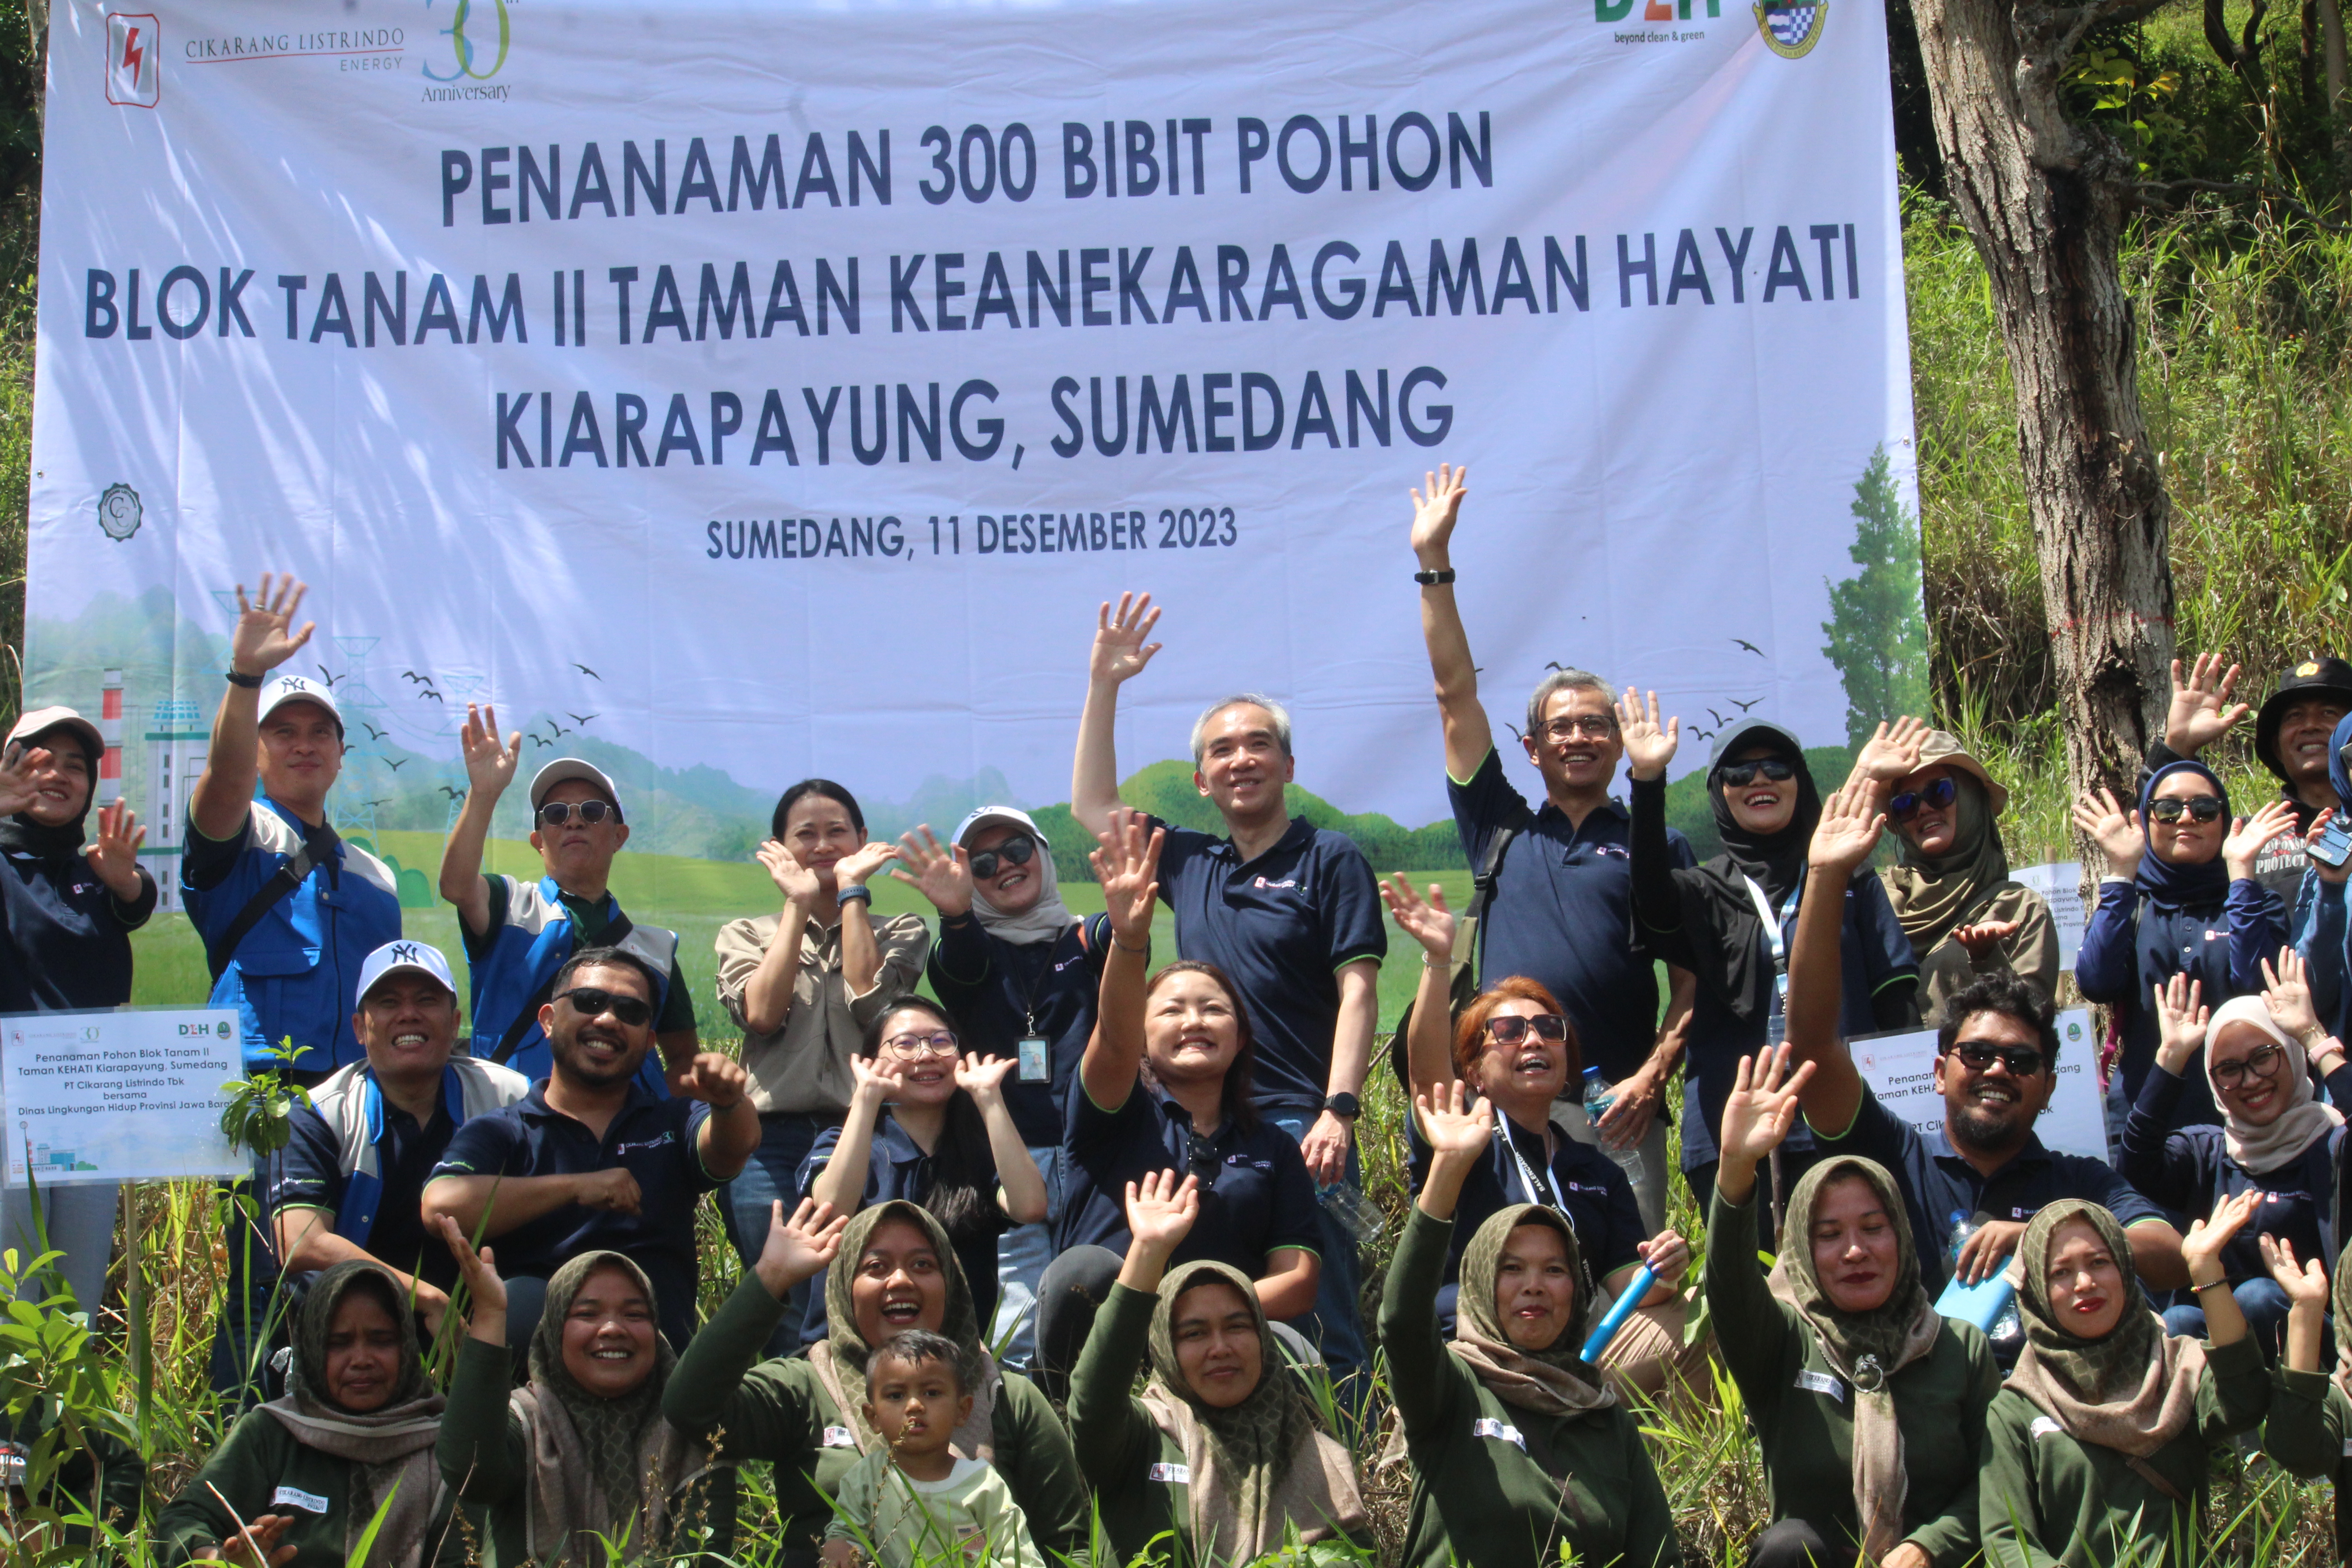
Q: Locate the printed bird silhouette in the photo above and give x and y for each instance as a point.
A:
(585, 671)
(396, 766)
(428, 691)
(373, 733)
(1719, 719)
(579, 718)
(1697, 733)
(375, 803)
(533, 737)
(1554, 663)
(420, 680)
(1744, 707)
(452, 794)
(1750, 647)
(556, 730)
(330, 680)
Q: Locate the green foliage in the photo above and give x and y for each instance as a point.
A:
(1878, 638)
(258, 1115)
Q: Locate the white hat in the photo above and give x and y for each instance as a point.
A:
(563, 768)
(41, 718)
(394, 957)
(284, 688)
(988, 814)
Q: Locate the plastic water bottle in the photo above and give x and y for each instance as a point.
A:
(1600, 1094)
(2007, 1327)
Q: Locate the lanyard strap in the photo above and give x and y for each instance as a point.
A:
(1772, 939)
(1527, 1177)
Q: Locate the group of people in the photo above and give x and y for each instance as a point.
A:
(1049, 1252)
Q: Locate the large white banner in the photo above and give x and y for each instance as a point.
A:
(768, 388)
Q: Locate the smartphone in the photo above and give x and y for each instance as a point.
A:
(2333, 845)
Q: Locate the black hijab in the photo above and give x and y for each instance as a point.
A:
(22, 834)
(1717, 910)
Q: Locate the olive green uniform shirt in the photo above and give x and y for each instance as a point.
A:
(261, 1468)
(1493, 1484)
(1803, 1409)
(2048, 1498)
(2309, 1433)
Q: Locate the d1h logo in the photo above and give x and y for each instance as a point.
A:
(134, 64)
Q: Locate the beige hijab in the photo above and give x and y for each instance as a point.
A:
(1553, 1381)
(2306, 1118)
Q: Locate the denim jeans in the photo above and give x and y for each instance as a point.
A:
(1022, 1255)
(771, 1175)
(1334, 1326)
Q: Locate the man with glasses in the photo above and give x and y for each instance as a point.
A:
(1996, 1064)
(519, 934)
(1561, 908)
(591, 1158)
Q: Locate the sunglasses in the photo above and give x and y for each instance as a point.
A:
(1739, 775)
(591, 1003)
(2021, 1062)
(1017, 850)
(556, 813)
(1511, 1028)
(2203, 807)
(2262, 1061)
(1937, 794)
(915, 1047)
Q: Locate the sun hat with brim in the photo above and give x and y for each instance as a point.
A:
(1939, 748)
(41, 721)
(2324, 677)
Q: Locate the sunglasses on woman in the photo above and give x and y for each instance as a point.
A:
(1739, 775)
(1511, 1028)
(556, 813)
(2262, 1061)
(2203, 807)
(591, 1003)
(1017, 850)
(1936, 794)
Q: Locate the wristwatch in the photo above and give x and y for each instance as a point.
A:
(1431, 579)
(238, 677)
(1344, 1105)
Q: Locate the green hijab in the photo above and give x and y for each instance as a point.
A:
(612, 1431)
(840, 1361)
(1554, 1380)
(2134, 1390)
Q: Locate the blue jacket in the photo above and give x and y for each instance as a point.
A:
(509, 967)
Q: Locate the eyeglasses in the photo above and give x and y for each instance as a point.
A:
(591, 1003)
(915, 1047)
(1017, 850)
(1739, 775)
(2203, 807)
(1935, 795)
(556, 813)
(2262, 1061)
(2020, 1061)
(1509, 1028)
(1591, 726)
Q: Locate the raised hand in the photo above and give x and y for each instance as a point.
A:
(264, 638)
(717, 1080)
(1983, 938)
(2287, 994)
(2180, 1023)
(2250, 833)
(2202, 711)
(1427, 922)
(1120, 651)
(797, 882)
(484, 1288)
(797, 1248)
(2119, 834)
(1893, 752)
(19, 782)
(2200, 1249)
(1127, 867)
(114, 856)
(1433, 515)
(1762, 1107)
(876, 1079)
(983, 1077)
(1849, 829)
(1161, 1211)
(489, 767)
(1457, 1125)
(2305, 1283)
(941, 874)
(857, 867)
(1648, 746)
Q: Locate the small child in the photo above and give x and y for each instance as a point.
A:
(910, 1500)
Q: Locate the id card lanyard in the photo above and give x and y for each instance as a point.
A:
(1776, 1027)
(1036, 1059)
(1527, 1177)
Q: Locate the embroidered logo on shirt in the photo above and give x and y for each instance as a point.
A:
(295, 1497)
(840, 1437)
(1488, 1426)
(1616, 849)
(1174, 1475)
(1262, 884)
(2043, 1427)
(1821, 1382)
(622, 1150)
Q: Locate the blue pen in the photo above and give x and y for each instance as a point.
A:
(1607, 1328)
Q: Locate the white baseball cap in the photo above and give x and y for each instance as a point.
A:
(42, 719)
(394, 956)
(1011, 814)
(563, 768)
(284, 688)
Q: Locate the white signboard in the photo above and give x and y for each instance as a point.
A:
(2061, 887)
(119, 1097)
(1901, 1070)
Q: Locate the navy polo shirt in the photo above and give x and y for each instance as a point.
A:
(1577, 1179)
(999, 991)
(1261, 1201)
(309, 1176)
(1281, 925)
(896, 1167)
(67, 944)
(1938, 1182)
(653, 1138)
(1563, 913)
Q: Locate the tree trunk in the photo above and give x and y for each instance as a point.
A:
(2331, 51)
(2043, 198)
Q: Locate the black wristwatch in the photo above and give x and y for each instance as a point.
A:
(1346, 1105)
(1431, 579)
(238, 677)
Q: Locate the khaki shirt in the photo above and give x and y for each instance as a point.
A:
(804, 1065)
(2032, 953)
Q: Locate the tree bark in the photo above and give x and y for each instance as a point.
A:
(2043, 198)
(2331, 49)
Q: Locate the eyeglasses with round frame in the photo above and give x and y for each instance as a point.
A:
(2262, 1062)
(915, 1047)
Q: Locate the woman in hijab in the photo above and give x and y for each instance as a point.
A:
(1950, 885)
(305, 1475)
(893, 1270)
(2276, 1140)
(1222, 1449)
(2179, 897)
(69, 904)
(1869, 1406)
(1020, 974)
(2098, 1445)
(581, 1456)
(2309, 1428)
(1520, 1452)
(1730, 920)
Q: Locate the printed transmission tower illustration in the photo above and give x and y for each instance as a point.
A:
(363, 713)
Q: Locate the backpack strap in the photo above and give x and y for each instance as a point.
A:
(272, 892)
(523, 1022)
